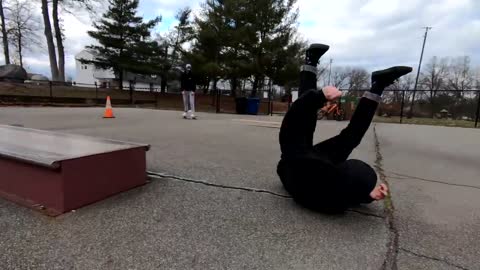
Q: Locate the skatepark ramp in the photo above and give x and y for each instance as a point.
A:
(56, 172)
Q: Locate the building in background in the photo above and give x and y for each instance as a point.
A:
(87, 75)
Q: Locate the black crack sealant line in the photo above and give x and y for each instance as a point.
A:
(206, 183)
(390, 262)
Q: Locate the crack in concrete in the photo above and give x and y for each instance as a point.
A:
(390, 262)
(409, 177)
(433, 258)
(205, 183)
(365, 213)
(163, 175)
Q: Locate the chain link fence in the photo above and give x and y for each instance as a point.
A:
(441, 107)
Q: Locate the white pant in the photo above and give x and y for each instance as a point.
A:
(189, 101)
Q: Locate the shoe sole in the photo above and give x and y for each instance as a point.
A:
(398, 70)
(318, 46)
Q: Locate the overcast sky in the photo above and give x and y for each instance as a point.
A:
(367, 33)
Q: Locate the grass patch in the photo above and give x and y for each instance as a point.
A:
(427, 121)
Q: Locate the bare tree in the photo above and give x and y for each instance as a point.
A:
(434, 78)
(4, 33)
(58, 67)
(358, 79)
(339, 77)
(396, 95)
(22, 28)
(50, 44)
(322, 73)
(402, 86)
(59, 40)
(460, 78)
(477, 78)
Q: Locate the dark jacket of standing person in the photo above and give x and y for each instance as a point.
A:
(188, 80)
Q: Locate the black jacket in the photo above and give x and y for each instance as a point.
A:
(188, 81)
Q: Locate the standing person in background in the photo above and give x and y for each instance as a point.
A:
(188, 86)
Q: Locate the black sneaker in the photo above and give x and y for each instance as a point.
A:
(314, 52)
(386, 77)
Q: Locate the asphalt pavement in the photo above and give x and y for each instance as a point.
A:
(223, 207)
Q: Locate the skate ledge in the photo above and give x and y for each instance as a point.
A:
(48, 149)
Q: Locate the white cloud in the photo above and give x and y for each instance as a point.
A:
(379, 33)
(76, 37)
(370, 33)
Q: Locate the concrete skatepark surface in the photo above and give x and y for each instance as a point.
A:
(206, 211)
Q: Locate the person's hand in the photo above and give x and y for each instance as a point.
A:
(380, 192)
(331, 92)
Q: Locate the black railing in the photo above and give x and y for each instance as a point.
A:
(448, 105)
(442, 107)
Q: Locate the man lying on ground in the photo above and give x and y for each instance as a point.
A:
(321, 177)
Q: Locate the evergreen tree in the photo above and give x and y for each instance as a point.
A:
(124, 42)
(286, 64)
(172, 45)
(205, 55)
(248, 39)
(221, 38)
(272, 23)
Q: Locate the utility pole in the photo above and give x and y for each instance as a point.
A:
(330, 71)
(410, 114)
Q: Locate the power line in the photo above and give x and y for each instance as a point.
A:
(427, 28)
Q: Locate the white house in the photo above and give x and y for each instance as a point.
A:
(87, 75)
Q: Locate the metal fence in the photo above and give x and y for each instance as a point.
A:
(268, 103)
(442, 107)
(47, 92)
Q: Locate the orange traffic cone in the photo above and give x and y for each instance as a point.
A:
(108, 109)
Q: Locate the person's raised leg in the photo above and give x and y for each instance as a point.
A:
(296, 133)
(341, 146)
(308, 73)
(298, 126)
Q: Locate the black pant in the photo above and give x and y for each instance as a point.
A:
(298, 127)
(320, 164)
